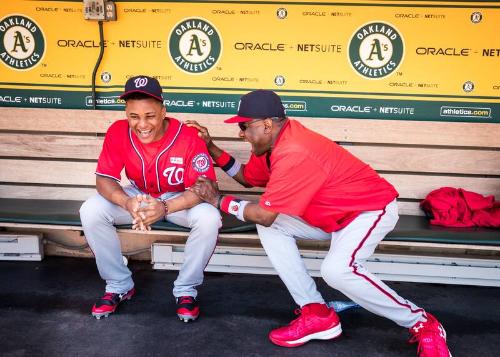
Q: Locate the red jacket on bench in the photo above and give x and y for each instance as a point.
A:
(454, 207)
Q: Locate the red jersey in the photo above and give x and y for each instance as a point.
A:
(310, 176)
(171, 164)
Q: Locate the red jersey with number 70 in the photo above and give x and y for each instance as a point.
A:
(171, 164)
(310, 176)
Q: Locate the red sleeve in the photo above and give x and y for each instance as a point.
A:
(256, 172)
(292, 184)
(110, 163)
(198, 162)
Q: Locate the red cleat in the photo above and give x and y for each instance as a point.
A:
(187, 308)
(316, 322)
(431, 338)
(109, 302)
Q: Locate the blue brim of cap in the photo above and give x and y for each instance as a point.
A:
(126, 94)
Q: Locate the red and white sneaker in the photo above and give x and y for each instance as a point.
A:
(431, 338)
(187, 308)
(109, 302)
(316, 322)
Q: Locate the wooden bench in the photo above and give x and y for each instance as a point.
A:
(48, 158)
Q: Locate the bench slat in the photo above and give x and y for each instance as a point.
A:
(60, 120)
(384, 158)
(417, 187)
(50, 146)
(47, 172)
(82, 173)
(349, 130)
(407, 159)
(46, 192)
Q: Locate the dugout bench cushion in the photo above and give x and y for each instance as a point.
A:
(65, 212)
(409, 228)
(418, 229)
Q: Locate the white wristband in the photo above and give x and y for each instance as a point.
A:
(234, 169)
(241, 209)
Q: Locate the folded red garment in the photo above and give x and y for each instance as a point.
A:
(456, 207)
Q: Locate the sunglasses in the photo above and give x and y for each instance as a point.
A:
(244, 125)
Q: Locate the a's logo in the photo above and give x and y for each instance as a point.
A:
(22, 43)
(279, 80)
(476, 17)
(201, 163)
(195, 45)
(105, 77)
(281, 13)
(468, 86)
(141, 82)
(376, 50)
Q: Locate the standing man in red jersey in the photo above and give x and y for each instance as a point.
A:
(162, 157)
(315, 189)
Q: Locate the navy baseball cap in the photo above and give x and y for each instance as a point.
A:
(143, 84)
(259, 104)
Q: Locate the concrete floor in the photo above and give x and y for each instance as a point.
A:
(45, 311)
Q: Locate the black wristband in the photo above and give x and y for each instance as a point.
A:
(219, 200)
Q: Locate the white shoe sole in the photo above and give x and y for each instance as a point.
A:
(187, 318)
(322, 335)
(329, 334)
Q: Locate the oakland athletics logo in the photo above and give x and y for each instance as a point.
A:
(195, 45)
(376, 50)
(22, 44)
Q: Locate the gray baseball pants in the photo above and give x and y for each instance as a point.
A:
(342, 267)
(98, 216)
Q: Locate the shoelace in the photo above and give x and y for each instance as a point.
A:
(414, 339)
(298, 313)
(299, 318)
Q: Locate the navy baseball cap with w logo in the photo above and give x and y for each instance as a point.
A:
(145, 85)
(259, 104)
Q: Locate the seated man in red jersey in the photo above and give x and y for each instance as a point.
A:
(315, 189)
(162, 157)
